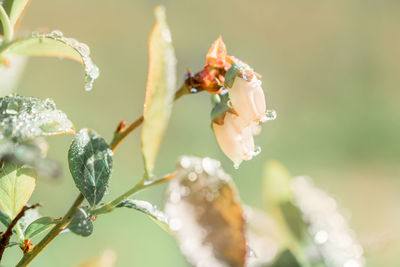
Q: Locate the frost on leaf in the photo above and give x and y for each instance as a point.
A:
(55, 44)
(25, 118)
(334, 239)
(81, 223)
(263, 237)
(90, 162)
(206, 215)
(145, 207)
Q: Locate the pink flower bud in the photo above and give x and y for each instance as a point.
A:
(235, 138)
(247, 98)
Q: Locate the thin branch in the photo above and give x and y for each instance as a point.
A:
(61, 225)
(5, 237)
(110, 206)
(120, 134)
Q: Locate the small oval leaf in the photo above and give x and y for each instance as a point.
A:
(160, 89)
(206, 215)
(55, 44)
(90, 163)
(81, 224)
(25, 118)
(39, 226)
(17, 183)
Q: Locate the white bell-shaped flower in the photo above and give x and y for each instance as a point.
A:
(248, 100)
(235, 138)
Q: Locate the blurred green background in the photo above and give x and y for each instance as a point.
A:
(331, 69)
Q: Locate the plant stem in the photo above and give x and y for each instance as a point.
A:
(7, 27)
(61, 225)
(110, 206)
(5, 237)
(119, 136)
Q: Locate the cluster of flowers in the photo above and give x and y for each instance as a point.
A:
(240, 102)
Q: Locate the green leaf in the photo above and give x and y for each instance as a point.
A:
(90, 162)
(17, 184)
(25, 118)
(145, 207)
(279, 199)
(160, 90)
(219, 110)
(39, 226)
(81, 224)
(15, 9)
(286, 259)
(277, 179)
(205, 212)
(55, 44)
(294, 220)
(4, 218)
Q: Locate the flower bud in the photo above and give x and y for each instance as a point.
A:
(247, 98)
(235, 138)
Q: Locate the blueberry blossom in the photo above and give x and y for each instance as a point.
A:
(235, 138)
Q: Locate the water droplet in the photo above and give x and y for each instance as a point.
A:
(175, 197)
(175, 224)
(210, 166)
(321, 237)
(56, 34)
(251, 253)
(270, 115)
(192, 176)
(185, 162)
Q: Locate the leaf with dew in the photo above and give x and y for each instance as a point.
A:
(81, 223)
(145, 207)
(160, 90)
(25, 118)
(90, 163)
(206, 215)
(55, 44)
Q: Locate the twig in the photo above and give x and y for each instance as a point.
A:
(61, 225)
(5, 237)
(120, 134)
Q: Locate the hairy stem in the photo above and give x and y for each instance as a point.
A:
(61, 225)
(7, 27)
